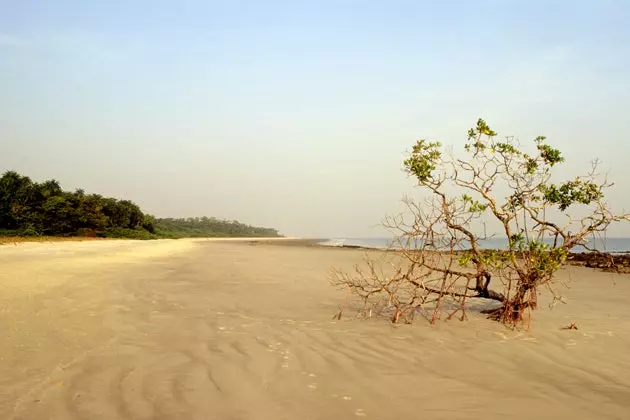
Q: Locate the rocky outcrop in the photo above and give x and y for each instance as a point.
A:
(602, 261)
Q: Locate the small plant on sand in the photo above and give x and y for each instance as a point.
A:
(498, 185)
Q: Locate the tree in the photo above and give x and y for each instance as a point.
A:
(58, 215)
(19, 203)
(148, 223)
(443, 265)
(122, 213)
(10, 183)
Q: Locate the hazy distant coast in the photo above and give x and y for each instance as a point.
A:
(607, 245)
(616, 260)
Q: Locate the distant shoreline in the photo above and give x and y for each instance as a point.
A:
(607, 261)
(390, 249)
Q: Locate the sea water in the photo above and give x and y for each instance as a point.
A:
(611, 245)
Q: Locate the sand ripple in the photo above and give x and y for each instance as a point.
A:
(229, 331)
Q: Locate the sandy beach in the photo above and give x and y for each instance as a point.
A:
(202, 329)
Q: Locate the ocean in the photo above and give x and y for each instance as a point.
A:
(610, 245)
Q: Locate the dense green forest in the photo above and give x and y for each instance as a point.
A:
(30, 208)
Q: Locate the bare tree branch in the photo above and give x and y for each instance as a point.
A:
(442, 264)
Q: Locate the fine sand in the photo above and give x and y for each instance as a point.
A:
(243, 330)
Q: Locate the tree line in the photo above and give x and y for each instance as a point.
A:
(29, 208)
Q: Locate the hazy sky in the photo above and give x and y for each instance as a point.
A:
(294, 114)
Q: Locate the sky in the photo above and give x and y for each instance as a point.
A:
(297, 114)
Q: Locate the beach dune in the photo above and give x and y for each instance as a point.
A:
(198, 329)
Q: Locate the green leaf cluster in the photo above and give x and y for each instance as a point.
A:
(571, 192)
(474, 206)
(423, 160)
